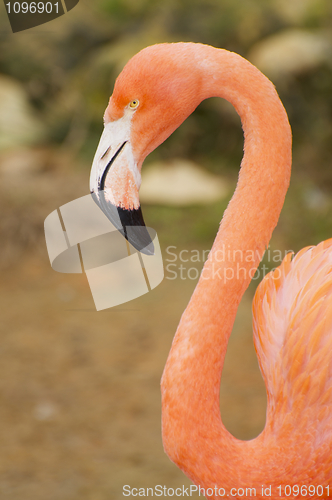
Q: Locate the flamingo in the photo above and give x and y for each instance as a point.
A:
(292, 308)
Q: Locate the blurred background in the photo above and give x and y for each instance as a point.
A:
(80, 398)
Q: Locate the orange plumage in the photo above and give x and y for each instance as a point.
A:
(292, 307)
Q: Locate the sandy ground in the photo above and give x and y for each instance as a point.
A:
(80, 398)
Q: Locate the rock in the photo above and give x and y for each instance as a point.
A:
(180, 182)
(291, 52)
(18, 124)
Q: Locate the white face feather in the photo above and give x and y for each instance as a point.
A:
(115, 134)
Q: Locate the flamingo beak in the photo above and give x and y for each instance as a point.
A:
(114, 185)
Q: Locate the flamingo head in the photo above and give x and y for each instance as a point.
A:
(153, 95)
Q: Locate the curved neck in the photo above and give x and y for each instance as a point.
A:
(192, 425)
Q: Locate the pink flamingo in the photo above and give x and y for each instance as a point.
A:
(292, 310)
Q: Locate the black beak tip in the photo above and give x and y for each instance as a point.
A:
(149, 250)
(129, 223)
(139, 238)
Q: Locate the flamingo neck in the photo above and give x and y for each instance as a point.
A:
(193, 433)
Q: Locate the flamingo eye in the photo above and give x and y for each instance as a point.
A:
(134, 104)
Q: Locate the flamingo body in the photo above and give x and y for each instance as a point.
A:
(292, 308)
